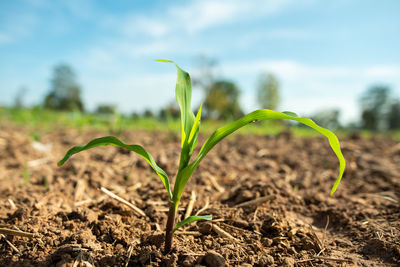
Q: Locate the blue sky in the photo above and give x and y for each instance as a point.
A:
(324, 53)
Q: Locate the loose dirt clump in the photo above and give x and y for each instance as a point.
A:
(269, 197)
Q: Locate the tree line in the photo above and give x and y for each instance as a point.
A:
(380, 109)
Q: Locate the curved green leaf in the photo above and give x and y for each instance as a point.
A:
(111, 140)
(190, 220)
(258, 115)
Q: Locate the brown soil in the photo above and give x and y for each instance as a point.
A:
(299, 225)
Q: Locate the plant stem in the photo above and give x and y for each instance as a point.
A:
(170, 227)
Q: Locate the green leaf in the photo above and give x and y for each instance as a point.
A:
(258, 115)
(187, 149)
(111, 140)
(292, 114)
(190, 220)
(183, 93)
(196, 126)
(165, 60)
(194, 133)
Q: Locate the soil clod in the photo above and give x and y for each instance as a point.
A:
(214, 259)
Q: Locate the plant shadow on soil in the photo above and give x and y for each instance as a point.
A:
(298, 225)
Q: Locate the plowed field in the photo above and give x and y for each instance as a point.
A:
(294, 221)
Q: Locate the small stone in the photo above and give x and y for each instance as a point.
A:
(289, 262)
(19, 214)
(343, 243)
(144, 256)
(171, 260)
(244, 195)
(156, 239)
(151, 212)
(141, 164)
(255, 225)
(267, 260)
(208, 243)
(241, 223)
(267, 242)
(66, 261)
(188, 261)
(307, 244)
(355, 136)
(91, 216)
(269, 220)
(205, 228)
(214, 259)
(270, 228)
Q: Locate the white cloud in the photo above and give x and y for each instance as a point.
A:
(97, 58)
(113, 54)
(307, 88)
(175, 32)
(199, 15)
(134, 25)
(26, 18)
(294, 71)
(194, 16)
(202, 14)
(265, 35)
(384, 71)
(17, 26)
(170, 32)
(83, 9)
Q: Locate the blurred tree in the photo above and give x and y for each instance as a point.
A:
(19, 97)
(206, 72)
(369, 120)
(221, 96)
(268, 95)
(171, 111)
(106, 109)
(394, 115)
(375, 104)
(222, 101)
(328, 118)
(148, 113)
(135, 115)
(65, 93)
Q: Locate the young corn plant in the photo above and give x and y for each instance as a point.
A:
(190, 125)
